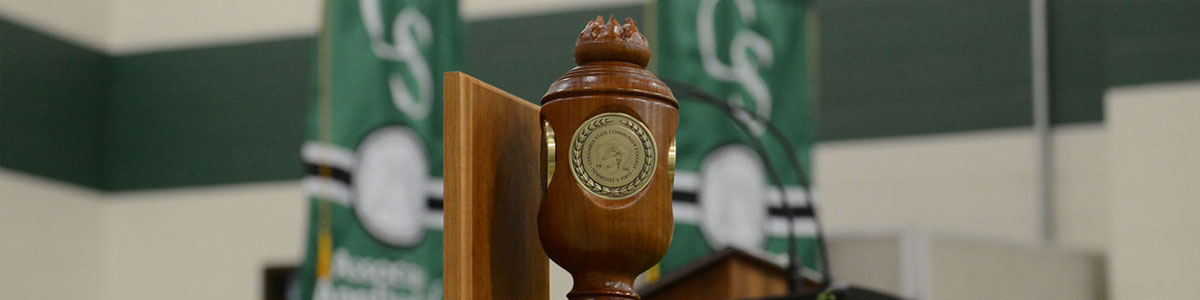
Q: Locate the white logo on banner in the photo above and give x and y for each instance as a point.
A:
(741, 69)
(733, 198)
(390, 185)
(411, 32)
(368, 278)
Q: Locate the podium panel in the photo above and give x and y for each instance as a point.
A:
(493, 188)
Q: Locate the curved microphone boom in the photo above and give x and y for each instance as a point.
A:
(686, 89)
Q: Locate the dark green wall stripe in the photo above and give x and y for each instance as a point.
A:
(893, 68)
(524, 55)
(1077, 58)
(1152, 41)
(228, 114)
(52, 102)
(914, 67)
(208, 116)
(1095, 45)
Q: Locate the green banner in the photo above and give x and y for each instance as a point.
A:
(751, 55)
(374, 150)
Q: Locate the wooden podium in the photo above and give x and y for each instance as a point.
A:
(727, 274)
(492, 192)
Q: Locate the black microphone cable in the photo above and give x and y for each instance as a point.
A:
(730, 111)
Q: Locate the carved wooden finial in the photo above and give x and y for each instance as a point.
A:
(606, 217)
(612, 58)
(612, 41)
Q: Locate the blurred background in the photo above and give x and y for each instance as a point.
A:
(978, 149)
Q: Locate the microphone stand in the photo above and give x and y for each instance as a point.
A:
(794, 280)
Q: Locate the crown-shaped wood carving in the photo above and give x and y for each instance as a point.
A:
(612, 41)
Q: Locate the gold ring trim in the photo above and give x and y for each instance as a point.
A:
(551, 154)
(671, 164)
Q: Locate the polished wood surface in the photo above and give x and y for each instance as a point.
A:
(492, 189)
(605, 243)
(728, 274)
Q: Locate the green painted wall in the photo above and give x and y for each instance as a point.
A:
(1098, 44)
(229, 114)
(208, 116)
(892, 68)
(524, 55)
(1152, 41)
(914, 67)
(53, 97)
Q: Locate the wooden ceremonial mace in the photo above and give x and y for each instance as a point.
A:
(608, 156)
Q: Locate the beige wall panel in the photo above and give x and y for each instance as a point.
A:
(966, 269)
(484, 9)
(872, 261)
(133, 26)
(1154, 142)
(975, 184)
(918, 265)
(84, 21)
(560, 282)
(142, 25)
(1080, 187)
(51, 237)
(202, 243)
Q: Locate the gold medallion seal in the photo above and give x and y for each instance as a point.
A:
(613, 155)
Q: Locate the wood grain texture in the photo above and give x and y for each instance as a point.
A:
(493, 186)
(605, 242)
(729, 274)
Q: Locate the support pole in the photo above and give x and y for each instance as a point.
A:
(1039, 49)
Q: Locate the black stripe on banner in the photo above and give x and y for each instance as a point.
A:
(336, 173)
(778, 211)
(434, 203)
(684, 196)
